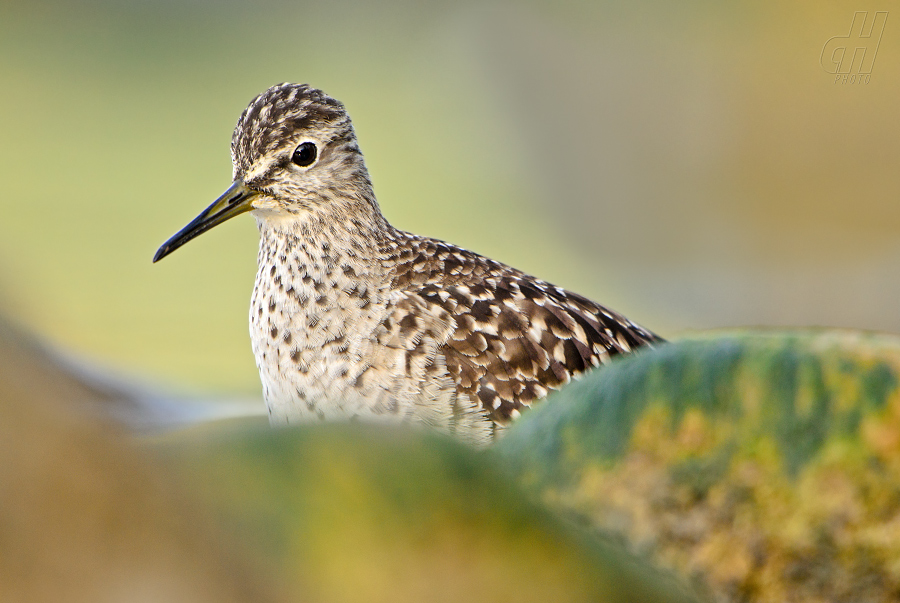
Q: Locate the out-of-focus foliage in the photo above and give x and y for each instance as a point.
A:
(765, 466)
(85, 517)
(356, 513)
(238, 513)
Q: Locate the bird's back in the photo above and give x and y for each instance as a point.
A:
(514, 337)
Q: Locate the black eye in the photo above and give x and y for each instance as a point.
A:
(305, 154)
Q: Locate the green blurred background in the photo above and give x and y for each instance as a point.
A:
(690, 165)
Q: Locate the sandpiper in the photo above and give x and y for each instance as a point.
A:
(353, 318)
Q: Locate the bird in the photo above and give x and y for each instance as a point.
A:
(354, 319)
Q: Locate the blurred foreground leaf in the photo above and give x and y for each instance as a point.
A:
(764, 465)
(86, 517)
(361, 513)
(235, 513)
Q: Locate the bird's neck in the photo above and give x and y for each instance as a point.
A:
(321, 286)
(311, 262)
(353, 232)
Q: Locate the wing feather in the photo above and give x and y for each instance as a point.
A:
(515, 337)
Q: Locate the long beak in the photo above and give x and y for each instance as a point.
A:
(235, 201)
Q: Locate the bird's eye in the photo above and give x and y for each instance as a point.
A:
(304, 155)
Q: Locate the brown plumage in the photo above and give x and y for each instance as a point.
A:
(351, 317)
(516, 336)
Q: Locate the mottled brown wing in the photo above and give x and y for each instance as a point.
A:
(516, 336)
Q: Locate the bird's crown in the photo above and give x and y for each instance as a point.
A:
(277, 118)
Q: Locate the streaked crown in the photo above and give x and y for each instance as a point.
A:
(274, 118)
(273, 133)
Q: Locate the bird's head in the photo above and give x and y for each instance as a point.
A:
(293, 152)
